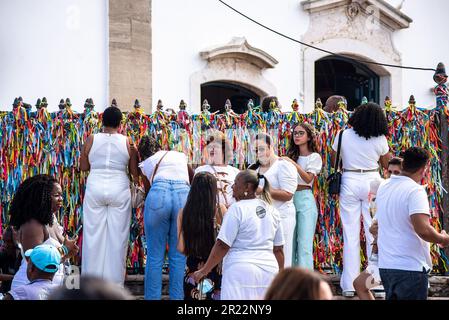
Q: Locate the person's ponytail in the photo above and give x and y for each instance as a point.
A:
(263, 182)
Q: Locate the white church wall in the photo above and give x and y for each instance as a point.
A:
(423, 44)
(181, 29)
(56, 49)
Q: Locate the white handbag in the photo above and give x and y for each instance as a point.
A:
(137, 196)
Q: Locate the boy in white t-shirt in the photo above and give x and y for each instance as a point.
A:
(43, 263)
(405, 230)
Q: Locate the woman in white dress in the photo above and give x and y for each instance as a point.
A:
(219, 153)
(250, 241)
(32, 214)
(107, 201)
(283, 180)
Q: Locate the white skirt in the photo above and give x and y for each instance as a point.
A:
(245, 281)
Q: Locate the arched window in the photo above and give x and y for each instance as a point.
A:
(344, 77)
(217, 92)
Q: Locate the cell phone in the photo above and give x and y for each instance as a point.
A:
(76, 233)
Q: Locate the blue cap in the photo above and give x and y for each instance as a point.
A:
(45, 257)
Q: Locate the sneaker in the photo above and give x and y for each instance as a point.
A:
(379, 294)
(348, 294)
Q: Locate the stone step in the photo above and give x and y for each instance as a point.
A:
(439, 287)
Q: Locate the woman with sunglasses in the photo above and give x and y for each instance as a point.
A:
(302, 154)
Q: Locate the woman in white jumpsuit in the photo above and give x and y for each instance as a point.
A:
(250, 241)
(362, 147)
(107, 200)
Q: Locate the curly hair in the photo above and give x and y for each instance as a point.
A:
(33, 201)
(267, 101)
(112, 116)
(148, 146)
(293, 150)
(369, 120)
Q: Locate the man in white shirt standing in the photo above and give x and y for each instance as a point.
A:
(405, 231)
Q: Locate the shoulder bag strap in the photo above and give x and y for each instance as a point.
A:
(337, 158)
(221, 189)
(157, 167)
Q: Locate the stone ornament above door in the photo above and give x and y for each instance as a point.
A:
(361, 29)
(237, 62)
(239, 48)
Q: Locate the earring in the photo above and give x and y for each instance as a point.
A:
(245, 193)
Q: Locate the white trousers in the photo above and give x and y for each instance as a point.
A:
(106, 222)
(354, 203)
(288, 223)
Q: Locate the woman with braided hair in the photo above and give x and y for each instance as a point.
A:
(250, 241)
(32, 214)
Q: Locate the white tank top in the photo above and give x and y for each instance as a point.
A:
(109, 152)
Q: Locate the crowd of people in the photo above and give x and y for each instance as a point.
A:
(230, 234)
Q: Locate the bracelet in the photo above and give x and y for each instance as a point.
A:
(63, 250)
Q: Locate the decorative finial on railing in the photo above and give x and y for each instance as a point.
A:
(411, 100)
(206, 106)
(250, 105)
(228, 105)
(114, 103)
(68, 103)
(44, 103)
(295, 105)
(441, 91)
(61, 104)
(89, 105)
(318, 104)
(182, 105)
(38, 104)
(387, 103)
(364, 100)
(160, 105)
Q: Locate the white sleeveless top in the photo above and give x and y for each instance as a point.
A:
(109, 152)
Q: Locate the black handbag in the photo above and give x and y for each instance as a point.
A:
(334, 179)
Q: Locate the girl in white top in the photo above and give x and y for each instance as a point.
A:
(362, 147)
(250, 240)
(302, 154)
(283, 179)
(107, 201)
(219, 153)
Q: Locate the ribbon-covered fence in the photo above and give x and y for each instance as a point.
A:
(42, 142)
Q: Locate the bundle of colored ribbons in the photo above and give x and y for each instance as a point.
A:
(40, 142)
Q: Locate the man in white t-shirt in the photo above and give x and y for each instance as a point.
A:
(405, 230)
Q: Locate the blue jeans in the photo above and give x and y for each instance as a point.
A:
(165, 199)
(306, 218)
(405, 285)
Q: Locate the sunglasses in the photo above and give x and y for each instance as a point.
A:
(394, 172)
(298, 133)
